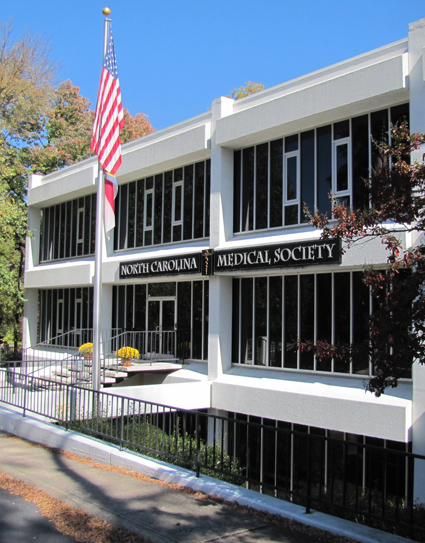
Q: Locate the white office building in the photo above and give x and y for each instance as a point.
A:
(211, 239)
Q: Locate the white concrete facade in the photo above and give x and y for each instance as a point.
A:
(384, 78)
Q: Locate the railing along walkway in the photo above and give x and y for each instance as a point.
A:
(351, 479)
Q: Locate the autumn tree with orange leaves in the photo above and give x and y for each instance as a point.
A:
(43, 128)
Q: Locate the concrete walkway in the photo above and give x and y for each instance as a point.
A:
(158, 512)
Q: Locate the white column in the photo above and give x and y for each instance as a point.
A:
(30, 320)
(221, 229)
(32, 244)
(417, 124)
(32, 258)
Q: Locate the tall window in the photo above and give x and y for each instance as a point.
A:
(274, 181)
(181, 306)
(271, 315)
(69, 229)
(65, 310)
(166, 208)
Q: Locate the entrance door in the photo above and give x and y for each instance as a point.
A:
(161, 327)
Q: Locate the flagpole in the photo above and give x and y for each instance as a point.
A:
(100, 205)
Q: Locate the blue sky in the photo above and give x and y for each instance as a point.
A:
(175, 57)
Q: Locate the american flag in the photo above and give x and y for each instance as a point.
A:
(109, 115)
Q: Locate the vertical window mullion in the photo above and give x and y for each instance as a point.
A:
(163, 208)
(268, 189)
(193, 200)
(136, 202)
(333, 317)
(204, 214)
(282, 331)
(299, 312)
(351, 319)
(60, 228)
(240, 361)
(117, 232)
(90, 223)
(370, 313)
(127, 206)
(314, 172)
(315, 318)
(254, 192)
(268, 321)
(243, 188)
(71, 226)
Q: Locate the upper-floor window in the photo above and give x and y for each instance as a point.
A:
(68, 229)
(166, 208)
(275, 181)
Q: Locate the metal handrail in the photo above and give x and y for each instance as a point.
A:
(310, 469)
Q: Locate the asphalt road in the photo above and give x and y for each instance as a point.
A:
(21, 522)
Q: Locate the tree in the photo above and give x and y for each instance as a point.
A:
(13, 230)
(42, 128)
(26, 86)
(65, 131)
(246, 90)
(397, 325)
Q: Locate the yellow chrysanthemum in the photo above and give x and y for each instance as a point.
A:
(127, 352)
(86, 348)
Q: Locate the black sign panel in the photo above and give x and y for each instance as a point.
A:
(305, 253)
(169, 265)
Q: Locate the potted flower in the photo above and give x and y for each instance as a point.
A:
(87, 350)
(126, 354)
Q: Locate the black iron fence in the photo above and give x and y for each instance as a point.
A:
(351, 479)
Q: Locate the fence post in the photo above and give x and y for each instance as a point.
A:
(198, 445)
(68, 407)
(308, 504)
(25, 394)
(122, 424)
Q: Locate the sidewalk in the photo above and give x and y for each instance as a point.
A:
(160, 513)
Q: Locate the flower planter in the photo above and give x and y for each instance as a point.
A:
(126, 362)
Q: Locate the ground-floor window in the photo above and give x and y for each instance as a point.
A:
(271, 315)
(276, 455)
(162, 307)
(65, 312)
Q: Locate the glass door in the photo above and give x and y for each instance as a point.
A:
(161, 320)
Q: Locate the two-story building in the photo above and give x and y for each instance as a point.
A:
(211, 237)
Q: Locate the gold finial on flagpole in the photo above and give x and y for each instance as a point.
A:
(106, 12)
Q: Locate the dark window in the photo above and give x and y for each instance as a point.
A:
(131, 213)
(291, 322)
(261, 340)
(324, 169)
(360, 153)
(199, 200)
(262, 189)
(275, 319)
(237, 191)
(158, 209)
(276, 175)
(307, 172)
(168, 202)
(248, 189)
(188, 202)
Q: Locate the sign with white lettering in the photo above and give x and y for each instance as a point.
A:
(306, 253)
(170, 265)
